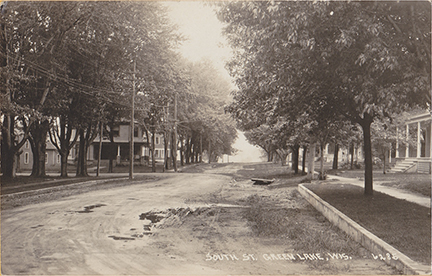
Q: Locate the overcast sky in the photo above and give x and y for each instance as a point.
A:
(198, 23)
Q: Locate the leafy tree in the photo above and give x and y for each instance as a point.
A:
(33, 36)
(204, 124)
(352, 55)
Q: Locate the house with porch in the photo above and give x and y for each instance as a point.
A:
(120, 149)
(414, 158)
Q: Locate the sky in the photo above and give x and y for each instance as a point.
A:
(203, 31)
(199, 24)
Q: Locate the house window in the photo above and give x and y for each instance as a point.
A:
(26, 158)
(157, 140)
(162, 153)
(156, 153)
(46, 157)
(135, 131)
(58, 158)
(27, 144)
(116, 131)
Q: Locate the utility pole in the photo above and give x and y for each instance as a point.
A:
(132, 127)
(100, 149)
(174, 140)
(209, 151)
(201, 146)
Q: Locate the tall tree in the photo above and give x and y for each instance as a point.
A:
(354, 53)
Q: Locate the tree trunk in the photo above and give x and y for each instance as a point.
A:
(8, 151)
(311, 169)
(63, 165)
(187, 149)
(82, 155)
(322, 161)
(366, 126)
(295, 157)
(111, 149)
(152, 149)
(201, 149)
(304, 159)
(181, 151)
(384, 161)
(335, 157)
(209, 151)
(352, 155)
(268, 155)
(39, 132)
(165, 138)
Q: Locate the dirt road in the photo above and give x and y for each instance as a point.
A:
(184, 224)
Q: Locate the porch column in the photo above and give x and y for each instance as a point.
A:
(118, 154)
(407, 144)
(390, 159)
(397, 142)
(418, 140)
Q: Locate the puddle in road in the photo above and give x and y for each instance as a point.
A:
(121, 238)
(157, 219)
(154, 217)
(88, 209)
(37, 226)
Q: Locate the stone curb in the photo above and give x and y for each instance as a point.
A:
(60, 187)
(378, 247)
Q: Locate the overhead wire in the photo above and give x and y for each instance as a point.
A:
(72, 83)
(83, 88)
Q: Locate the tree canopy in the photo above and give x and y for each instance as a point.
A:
(328, 61)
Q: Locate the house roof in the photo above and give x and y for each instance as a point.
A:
(421, 117)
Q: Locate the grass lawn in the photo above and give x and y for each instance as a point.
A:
(268, 171)
(413, 182)
(402, 224)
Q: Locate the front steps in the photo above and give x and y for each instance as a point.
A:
(404, 165)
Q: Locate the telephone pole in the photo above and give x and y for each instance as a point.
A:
(132, 127)
(174, 141)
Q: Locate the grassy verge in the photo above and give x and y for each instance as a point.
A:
(413, 182)
(268, 171)
(402, 224)
(305, 228)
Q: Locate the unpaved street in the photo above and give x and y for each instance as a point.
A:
(184, 224)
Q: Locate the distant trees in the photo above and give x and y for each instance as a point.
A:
(203, 124)
(357, 60)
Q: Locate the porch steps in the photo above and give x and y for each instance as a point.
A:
(403, 165)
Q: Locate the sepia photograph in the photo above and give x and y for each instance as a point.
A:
(215, 137)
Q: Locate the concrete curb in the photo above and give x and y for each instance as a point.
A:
(378, 247)
(60, 187)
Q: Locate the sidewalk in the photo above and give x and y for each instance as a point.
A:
(401, 194)
(12, 188)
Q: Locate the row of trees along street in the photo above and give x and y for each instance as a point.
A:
(67, 71)
(329, 71)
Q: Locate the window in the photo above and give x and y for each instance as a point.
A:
(27, 144)
(116, 131)
(157, 140)
(135, 131)
(162, 153)
(26, 158)
(58, 158)
(46, 158)
(156, 153)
